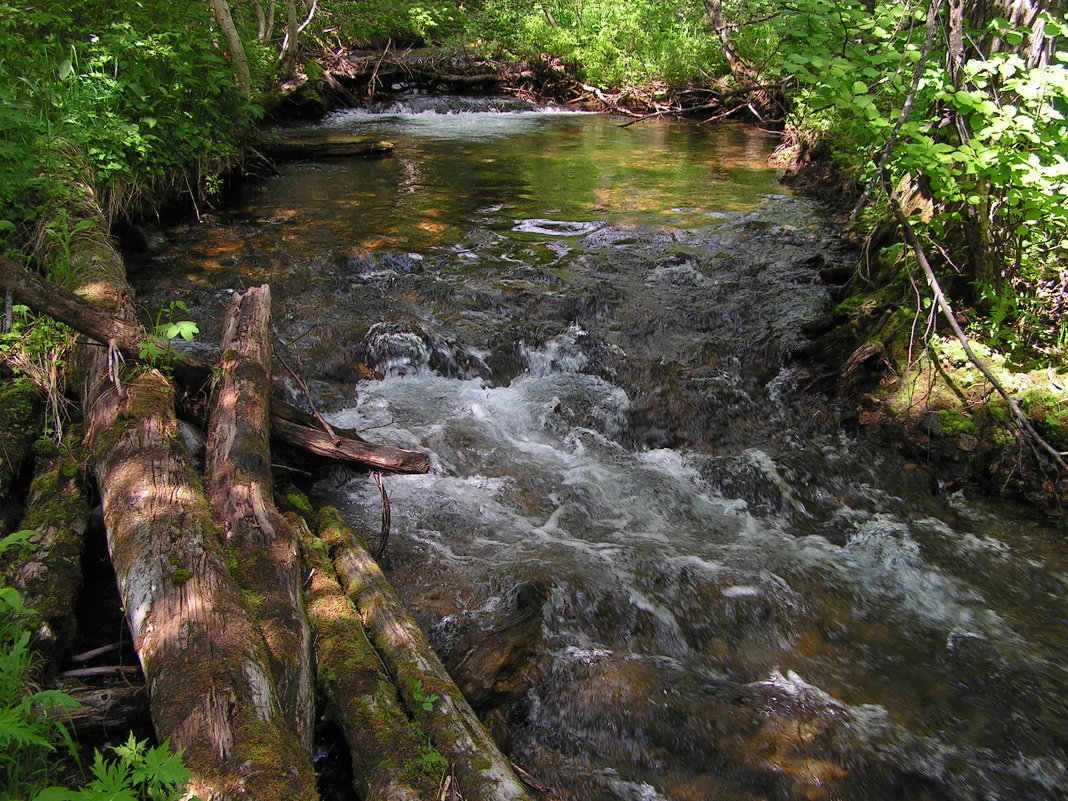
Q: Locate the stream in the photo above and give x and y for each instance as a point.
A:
(716, 591)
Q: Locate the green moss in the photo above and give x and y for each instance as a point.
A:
(299, 501)
(45, 448)
(254, 601)
(955, 422)
(430, 764)
(181, 576)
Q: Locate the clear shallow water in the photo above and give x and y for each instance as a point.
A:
(584, 326)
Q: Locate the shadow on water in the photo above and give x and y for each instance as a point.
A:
(714, 590)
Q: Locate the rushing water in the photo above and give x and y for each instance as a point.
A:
(720, 593)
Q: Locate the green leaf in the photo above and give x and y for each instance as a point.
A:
(187, 329)
(65, 69)
(16, 730)
(59, 794)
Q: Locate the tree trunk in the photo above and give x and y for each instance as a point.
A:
(739, 66)
(261, 22)
(240, 488)
(291, 426)
(389, 759)
(204, 660)
(50, 579)
(220, 9)
(288, 57)
(481, 770)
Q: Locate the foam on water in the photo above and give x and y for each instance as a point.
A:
(456, 121)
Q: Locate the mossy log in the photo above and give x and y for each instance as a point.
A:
(20, 424)
(240, 488)
(49, 578)
(323, 146)
(204, 659)
(390, 760)
(291, 427)
(482, 772)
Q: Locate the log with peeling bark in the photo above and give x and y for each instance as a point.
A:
(49, 579)
(390, 761)
(481, 770)
(204, 659)
(240, 488)
(291, 427)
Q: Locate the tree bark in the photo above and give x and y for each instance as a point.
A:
(240, 488)
(290, 426)
(204, 660)
(50, 579)
(389, 759)
(220, 9)
(481, 770)
(288, 57)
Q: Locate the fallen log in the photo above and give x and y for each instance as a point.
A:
(321, 145)
(49, 578)
(390, 760)
(290, 426)
(20, 423)
(240, 488)
(204, 660)
(103, 712)
(482, 772)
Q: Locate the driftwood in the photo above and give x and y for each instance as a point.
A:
(290, 426)
(240, 489)
(324, 146)
(390, 761)
(204, 659)
(50, 577)
(482, 772)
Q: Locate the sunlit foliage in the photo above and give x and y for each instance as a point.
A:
(136, 93)
(989, 146)
(609, 42)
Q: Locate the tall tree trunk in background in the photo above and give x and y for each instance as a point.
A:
(1036, 49)
(716, 19)
(288, 56)
(220, 9)
(975, 217)
(264, 21)
(261, 21)
(977, 225)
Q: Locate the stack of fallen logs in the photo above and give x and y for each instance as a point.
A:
(243, 618)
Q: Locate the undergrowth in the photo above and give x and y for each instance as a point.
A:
(34, 741)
